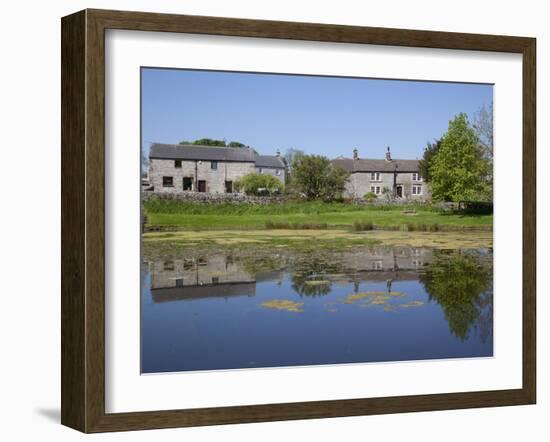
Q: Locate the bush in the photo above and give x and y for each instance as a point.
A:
(370, 196)
(360, 226)
(259, 184)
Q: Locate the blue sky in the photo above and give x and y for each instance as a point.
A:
(321, 115)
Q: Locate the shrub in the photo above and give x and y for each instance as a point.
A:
(259, 184)
(370, 196)
(360, 226)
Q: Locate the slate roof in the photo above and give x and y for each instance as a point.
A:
(376, 165)
(269, 161)
(207, 153)
(212, 153)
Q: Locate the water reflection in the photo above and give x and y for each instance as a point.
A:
(291, 308)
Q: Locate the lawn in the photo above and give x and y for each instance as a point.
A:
(198, 216)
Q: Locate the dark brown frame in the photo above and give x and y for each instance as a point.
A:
(83, 216)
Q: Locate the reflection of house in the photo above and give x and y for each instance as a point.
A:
(212, 270)
(398, 178)
(177, 168)
(213, 277)
(387, 259)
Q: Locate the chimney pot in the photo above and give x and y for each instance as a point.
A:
(355, 154)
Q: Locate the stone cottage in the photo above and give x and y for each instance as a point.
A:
(175, 168)
(388, 176)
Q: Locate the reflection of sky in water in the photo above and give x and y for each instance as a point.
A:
(241, 319)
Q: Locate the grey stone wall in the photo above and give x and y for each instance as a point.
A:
(277, 173)
(198, 171)
(360, 183)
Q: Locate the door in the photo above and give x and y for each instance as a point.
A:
(399, 191)
(202, 186)
(229, 187)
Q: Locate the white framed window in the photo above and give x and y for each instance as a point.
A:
(417, 190)
(416, 176)
(375, 176)
(278, 172)
(376, 265)
(375, 189)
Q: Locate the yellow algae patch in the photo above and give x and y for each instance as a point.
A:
(377, 296)
(412, 304)
(440, 240)
(284, 304)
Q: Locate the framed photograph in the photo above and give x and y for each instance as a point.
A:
(268, 220)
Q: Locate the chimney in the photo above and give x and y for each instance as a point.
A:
(388, 154)
(278, 153)
(355, 154)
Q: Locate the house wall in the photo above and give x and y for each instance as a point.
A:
(215, 178)
(360, 183)
(272, 171)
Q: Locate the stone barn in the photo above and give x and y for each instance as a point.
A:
(175, 168)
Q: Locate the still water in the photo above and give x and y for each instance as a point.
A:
(224, 309)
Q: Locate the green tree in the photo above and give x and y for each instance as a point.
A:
(213, 142)
(259, 184)
(459, 170)
(315, 177)
(425, 163)
(206, 142)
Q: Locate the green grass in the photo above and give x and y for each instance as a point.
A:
(198, 216)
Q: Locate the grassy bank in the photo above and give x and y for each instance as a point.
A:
(304, 215)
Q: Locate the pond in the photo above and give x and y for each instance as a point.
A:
(225, 309)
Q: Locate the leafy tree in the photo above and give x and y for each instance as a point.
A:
(483, 125)
(259, 184)
(316, 177)
(459, 170)
(425, 163)
(461, 285)
(236, 144)
(213, 142)
(289, 158)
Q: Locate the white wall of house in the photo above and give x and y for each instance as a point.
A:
(215, 179)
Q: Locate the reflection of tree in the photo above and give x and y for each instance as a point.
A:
(462, 285)
(311, 276)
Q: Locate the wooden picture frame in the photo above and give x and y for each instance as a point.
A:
(83, 219)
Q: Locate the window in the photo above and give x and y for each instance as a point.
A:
(168, 265)
(260, 170)
(375, 189)
(177, 164)
(187, 183)
(215, 279)
(375, 176)
(278, 172)
(377, 265)
(416, 176)
(417, 190)
(214, 165)
(167, 181)
(179, 282)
